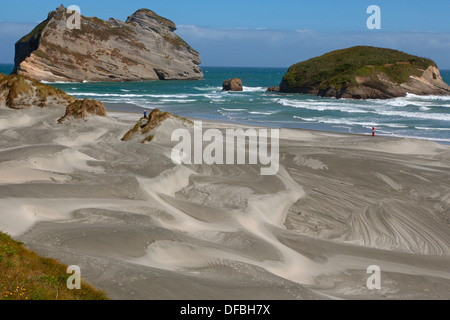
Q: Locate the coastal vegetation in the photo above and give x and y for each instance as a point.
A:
(18, 92)
(340, 68)
(80, 109)
(24, 275)
(364, 72)
(145, 125)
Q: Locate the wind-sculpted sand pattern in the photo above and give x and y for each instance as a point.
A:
(141, 227)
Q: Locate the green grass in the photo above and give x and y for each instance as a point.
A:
(340, 68)
(24, 275)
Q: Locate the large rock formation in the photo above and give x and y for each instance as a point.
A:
(144, 47)
(365, 73)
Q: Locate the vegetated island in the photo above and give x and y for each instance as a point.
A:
(144, 47)
(364, 72)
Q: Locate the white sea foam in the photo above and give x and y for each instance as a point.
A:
(351, 122)
(234, 110)
(402, 102)
(323, 106)
(416, 115)
(212, 96)
(432, 129)
(254, 89)
(178, 100)
(350, 108)
(268, 113)
(207, 88)
(56, 82)
(430, 97)
(217, 100)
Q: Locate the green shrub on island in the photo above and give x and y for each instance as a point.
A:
(363, 72)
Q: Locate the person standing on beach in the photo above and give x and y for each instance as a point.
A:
(373, 131)
(145, 114)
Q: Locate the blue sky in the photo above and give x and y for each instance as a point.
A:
(264, 33)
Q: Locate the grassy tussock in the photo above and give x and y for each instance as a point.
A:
(133, 131)
(26, 276)
(144, 126)
(80, 109)
(155, 118)
(20, 92)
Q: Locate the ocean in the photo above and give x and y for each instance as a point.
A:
(412, 116)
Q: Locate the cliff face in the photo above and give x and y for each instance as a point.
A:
(365, 73)
(144, 47)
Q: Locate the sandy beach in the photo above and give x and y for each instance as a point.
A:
(141, 227)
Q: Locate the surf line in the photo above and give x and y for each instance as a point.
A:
(229, 150)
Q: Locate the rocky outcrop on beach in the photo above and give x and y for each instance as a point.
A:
(21, 92)
(81, 109)
(144, 47)
(365, 73)
(143, 130)
(234, 84)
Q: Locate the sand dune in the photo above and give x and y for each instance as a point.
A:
(141, 227)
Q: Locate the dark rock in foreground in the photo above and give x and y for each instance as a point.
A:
(365, 73)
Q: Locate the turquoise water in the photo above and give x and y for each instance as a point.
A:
(411, 116)
(6, 68)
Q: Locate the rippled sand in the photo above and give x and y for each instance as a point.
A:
(141, 227)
